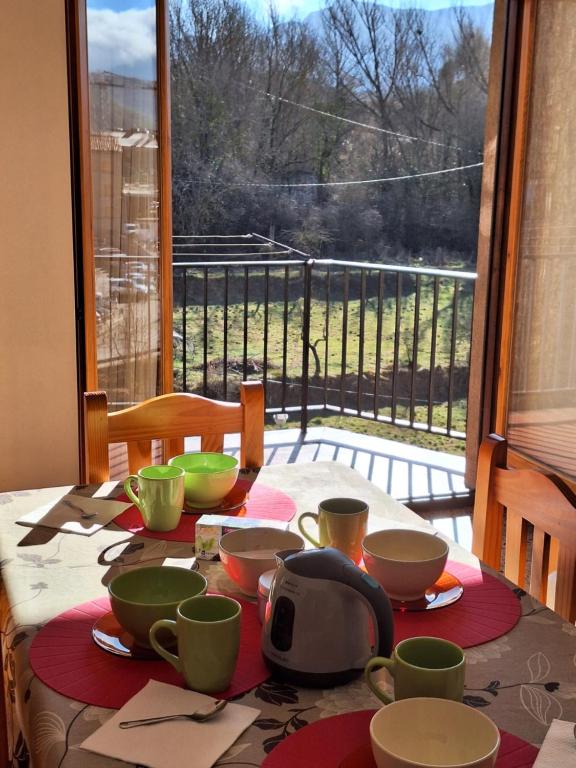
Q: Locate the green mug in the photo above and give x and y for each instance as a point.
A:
(422, 666)
(160, 496)
(342, 523)
(208, 631)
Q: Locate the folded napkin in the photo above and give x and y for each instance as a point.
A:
(175, 743)
(75, 514)
(559, 747)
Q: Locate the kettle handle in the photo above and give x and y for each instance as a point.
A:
(379, 602)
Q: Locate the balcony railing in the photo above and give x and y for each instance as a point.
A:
(382, 342)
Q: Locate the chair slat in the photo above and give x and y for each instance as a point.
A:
(538, 586)
(212, 443)
(139, 455)
(515, 555)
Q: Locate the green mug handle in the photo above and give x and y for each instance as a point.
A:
(170, 657)
(128, 489)
(377, 663)
(304, 533)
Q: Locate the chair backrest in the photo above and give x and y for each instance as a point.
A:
(531, 500)
(171, 418)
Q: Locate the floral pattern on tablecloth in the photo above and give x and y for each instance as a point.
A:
(522, 680)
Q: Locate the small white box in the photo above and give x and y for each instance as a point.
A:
(210, 528)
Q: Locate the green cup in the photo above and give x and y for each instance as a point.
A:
(160, 496)
(342, 523)
(208, 631)
(141, 596)
(422, 666)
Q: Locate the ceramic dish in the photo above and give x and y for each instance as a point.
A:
(447, 591)
(406, 562)
(111, 637)
(247, 553)
(208, 478)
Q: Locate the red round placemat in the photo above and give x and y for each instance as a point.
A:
(264, 503)
(64, 656)
(343, 741)
(487, 610)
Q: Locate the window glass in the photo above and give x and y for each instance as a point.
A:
(542, 414)
(125, 179)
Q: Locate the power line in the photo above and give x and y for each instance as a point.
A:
(323, 113)
(369, 127)
(342, 183)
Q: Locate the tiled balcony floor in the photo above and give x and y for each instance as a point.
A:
(406, 472)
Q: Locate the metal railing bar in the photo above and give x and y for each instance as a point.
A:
(361, 330)
(231, 255)
(346, 286)
(241, 264)
(265, 342)
(431, 272)
(434, 332)
(222, 245)
(397, 322)
(378, 362)
(326, 332)
(185, 335)
(225, 321)
(415, 340)
(245, 337)
(452, 355)
(303, 255)
(285, 333)
(205, 334)
(211, 237)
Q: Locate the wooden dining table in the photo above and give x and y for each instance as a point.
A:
(522, 680)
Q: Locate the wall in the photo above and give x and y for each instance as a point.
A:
(38, 393)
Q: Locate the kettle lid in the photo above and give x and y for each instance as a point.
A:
(318, 563)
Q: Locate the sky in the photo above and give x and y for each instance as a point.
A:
(121, 33)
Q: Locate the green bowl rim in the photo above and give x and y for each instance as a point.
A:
(236, 466)
(156, 567)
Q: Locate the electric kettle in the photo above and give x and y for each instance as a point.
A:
(317, 628)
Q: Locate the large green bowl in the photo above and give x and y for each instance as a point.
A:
(209, 477)
(144, 595)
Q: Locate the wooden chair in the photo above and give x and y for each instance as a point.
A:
(530, 498)
(171, 418)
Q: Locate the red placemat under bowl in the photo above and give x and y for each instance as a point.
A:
(263, 503)
(487, 610)
(64, 656)
(343, 741)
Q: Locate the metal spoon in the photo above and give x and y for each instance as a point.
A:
(83, 514)
(200, 716)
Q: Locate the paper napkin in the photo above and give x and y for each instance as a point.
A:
(559, 747)
(75, 514)
(178, 742)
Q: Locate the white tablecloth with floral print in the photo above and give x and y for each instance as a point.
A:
(523, 680)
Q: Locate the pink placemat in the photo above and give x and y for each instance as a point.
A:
(64, 656)
(343, 741)
(263, 503)
(487, 610)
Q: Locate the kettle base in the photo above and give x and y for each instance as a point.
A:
(311, 679)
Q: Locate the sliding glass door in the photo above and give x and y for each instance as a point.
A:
(128, 267)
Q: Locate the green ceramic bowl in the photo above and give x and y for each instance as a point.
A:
(145, 595)
(209, 477)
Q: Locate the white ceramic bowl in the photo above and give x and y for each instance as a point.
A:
(249, 552)
(426, 732)
(405, 562)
